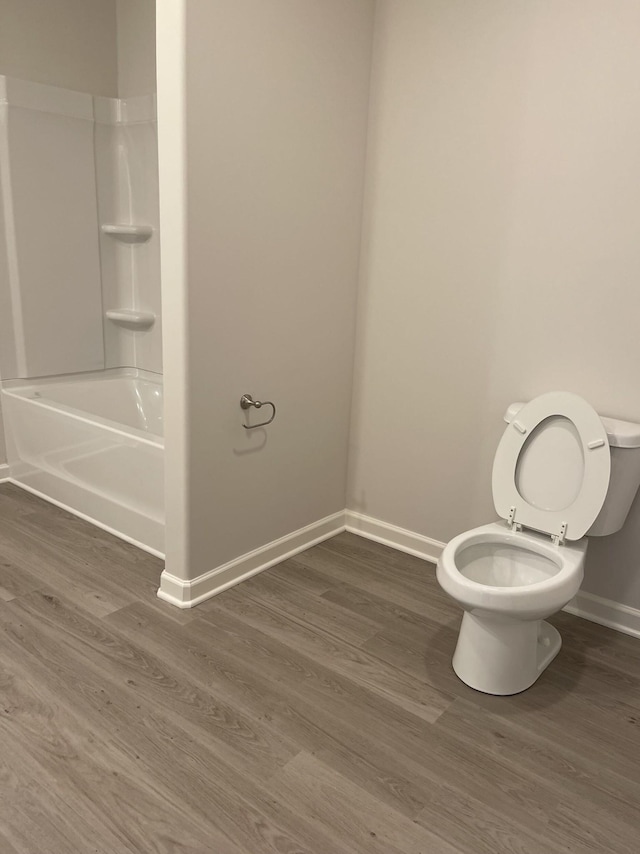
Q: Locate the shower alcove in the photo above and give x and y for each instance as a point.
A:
(80, 314)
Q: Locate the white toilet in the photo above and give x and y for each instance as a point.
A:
(560, 473)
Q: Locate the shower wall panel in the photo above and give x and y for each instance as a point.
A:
(51, 318)
(71, 166)
(127, 168)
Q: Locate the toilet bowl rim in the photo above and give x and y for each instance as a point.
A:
(568, 558)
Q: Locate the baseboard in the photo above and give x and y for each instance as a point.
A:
(186, 594)
(616, 616)
(390, 535)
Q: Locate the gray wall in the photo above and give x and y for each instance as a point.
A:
(67, 43)
(136, 47)
(501, 255)
(276, 118)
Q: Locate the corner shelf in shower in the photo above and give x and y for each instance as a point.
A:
(130, 318)
(128, 233)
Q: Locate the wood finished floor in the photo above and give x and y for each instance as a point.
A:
(311, 710)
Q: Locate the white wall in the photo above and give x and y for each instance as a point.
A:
(136, 47)
(501, 255)
(66, 43)
(276, 100)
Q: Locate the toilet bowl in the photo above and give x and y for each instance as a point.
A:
(551, 481)
(507, 584)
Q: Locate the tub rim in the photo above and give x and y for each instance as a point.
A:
(12, 388)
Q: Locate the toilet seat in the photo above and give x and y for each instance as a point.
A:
(570, 476)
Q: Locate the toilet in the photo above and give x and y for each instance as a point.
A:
(560, 473)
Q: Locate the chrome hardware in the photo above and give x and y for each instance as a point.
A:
(247, 401)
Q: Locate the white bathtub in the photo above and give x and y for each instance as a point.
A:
(93, 444)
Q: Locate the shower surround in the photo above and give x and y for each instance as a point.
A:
(80, 303)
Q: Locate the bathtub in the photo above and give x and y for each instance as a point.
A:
(93, 444)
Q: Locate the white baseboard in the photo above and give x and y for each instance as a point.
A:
(390, 535)
(186, 594)
(616, 616)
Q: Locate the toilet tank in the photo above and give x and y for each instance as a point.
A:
(624, 443)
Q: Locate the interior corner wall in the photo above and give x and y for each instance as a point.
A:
(501, 256)
(277, 99)
(65, 43)
(136, 22)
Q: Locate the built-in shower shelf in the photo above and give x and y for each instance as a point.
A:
(128, 233)
(130, 318)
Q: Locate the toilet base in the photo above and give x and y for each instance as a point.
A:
(502, 656)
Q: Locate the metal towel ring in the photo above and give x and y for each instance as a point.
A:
(246, 402)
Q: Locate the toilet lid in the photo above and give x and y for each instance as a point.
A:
(553, 466)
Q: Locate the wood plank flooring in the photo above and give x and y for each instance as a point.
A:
(310, 710)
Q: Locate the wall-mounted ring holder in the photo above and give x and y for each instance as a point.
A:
(247, 401)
